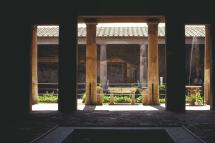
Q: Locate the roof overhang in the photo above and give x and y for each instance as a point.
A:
(119, 19)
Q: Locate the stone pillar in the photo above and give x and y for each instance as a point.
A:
(212, 78)
(91, 64)
(34, 66)
(207, 64)
(67, 101)
(19, 70)
(175, 64)
(143, 65)
(153, 74)
(103, 65)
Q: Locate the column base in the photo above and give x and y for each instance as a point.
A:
(150, 102)
(35, 102)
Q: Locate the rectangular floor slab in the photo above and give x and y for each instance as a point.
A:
(177, 134)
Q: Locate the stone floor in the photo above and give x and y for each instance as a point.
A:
(117, 107)
(202, 123)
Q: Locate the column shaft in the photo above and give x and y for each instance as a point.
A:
(143, 65)
(153, 74)
(175, 51)
(34, 66)
(207, 64)
(20, 60)
(103, 65)
(91, 65)
(67, 101)
(212, 79)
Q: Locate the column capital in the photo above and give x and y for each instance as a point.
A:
(153, 26)
(103, 44)
(142, 44)
(90, 21)
(152, 21)
(90, 25)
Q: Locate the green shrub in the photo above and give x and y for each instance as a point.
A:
(162, 100)
(106, 99)
(48, 99)
(139, 99)
(84, 98)
(100, 93)
(49, 94)
(122, 99)
(194, 99)
(187, 99)
(199, 99)
(162, 87)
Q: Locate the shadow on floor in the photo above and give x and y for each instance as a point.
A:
(89, 108)
(159, 107)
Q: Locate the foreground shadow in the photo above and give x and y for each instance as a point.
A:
(89, 108)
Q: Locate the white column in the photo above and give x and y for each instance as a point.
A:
(143, 65)
(103, 65)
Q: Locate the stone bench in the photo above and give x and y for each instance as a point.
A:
(121, 91)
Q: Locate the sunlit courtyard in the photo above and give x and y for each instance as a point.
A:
(107, 107)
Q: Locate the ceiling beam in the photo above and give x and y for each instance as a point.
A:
(119, 19)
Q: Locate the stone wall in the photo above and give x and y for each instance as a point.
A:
(124, 56)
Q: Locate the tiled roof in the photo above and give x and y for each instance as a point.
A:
(53, 31)
(47, 31)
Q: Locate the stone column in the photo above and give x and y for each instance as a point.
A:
(67, 99)
(207, 64)
(19, 80)
(153, 75)
(91, 64)
(143, 65)
(212, 78)
(103, 65)
(175, 61)
(34, 66)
